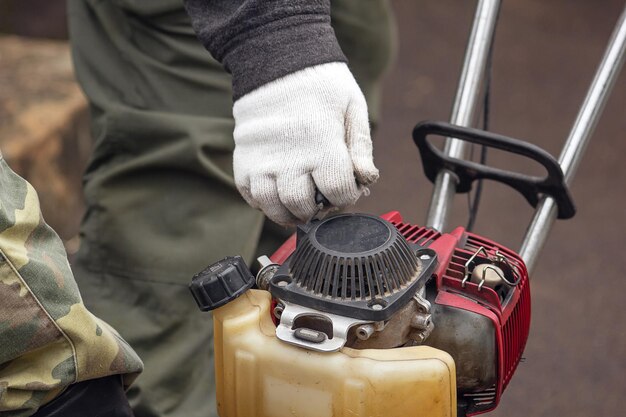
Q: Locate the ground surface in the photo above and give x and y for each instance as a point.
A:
(545, 57)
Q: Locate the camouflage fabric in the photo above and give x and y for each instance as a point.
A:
(48, 338)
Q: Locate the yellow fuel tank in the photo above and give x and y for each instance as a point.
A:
(260, 376)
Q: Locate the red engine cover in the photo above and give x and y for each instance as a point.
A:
(511, 319)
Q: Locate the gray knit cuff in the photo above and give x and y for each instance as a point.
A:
(279, 49)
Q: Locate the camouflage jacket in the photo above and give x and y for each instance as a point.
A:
(48, 339)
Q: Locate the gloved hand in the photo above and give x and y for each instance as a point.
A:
(305, 130)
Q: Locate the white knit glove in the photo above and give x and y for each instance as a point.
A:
(305, 130)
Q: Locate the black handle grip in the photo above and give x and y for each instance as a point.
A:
(321, 199)
(531, 187)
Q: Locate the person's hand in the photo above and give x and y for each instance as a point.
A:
(304, 131)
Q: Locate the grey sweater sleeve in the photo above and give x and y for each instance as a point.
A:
(259, 41)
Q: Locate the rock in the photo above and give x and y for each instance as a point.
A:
(44, 129)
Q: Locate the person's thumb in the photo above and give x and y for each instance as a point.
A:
(359, 142)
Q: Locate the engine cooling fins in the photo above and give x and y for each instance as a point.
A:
(355, 265)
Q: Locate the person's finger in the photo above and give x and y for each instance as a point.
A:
(264, 192)
(359, 142)
(297, 194)
(334, 177)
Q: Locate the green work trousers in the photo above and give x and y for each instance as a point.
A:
(159, 189)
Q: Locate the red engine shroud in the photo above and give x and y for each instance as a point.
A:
(511, 320)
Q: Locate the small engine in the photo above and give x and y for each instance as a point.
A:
(352, 280)
(366, 282)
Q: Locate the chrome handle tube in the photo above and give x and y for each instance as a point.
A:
(464, 109)
(578, 139)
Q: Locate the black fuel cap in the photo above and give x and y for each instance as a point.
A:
(221, 282)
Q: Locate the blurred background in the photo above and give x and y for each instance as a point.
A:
(544, 60)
